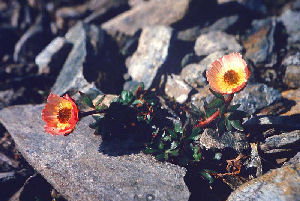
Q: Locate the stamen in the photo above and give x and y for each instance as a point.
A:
(231, 77)
(64, 115)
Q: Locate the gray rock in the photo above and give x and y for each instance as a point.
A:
(71, 76)
(193, 74)
(259, 42)
(279, 184)
(189, 59)
(222, 24)
(52, 58)
(283, 122)
(212, 57)
(254, 161)
(147, 14)
(147, 62)
(254, 5)
(255, 97)
(210, 139)
(176, 88)
(292, 59)
(291, 76)
(7, 163)
(252, 98)
(75, 167)
(291, 21)
(216, 41)
(281, 143)
(294, 160)
(7, 97)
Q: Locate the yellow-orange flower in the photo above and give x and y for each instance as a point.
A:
(60, 114)
(228, 74)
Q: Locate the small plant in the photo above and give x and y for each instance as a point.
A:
(138, 114)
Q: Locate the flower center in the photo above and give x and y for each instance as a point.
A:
(231, 77)
(64, 115)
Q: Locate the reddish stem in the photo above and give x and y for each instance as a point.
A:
(210, 119)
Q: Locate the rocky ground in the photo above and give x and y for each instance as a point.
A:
(104, 46)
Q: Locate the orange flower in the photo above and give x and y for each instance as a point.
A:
(228, 74)
(60, 114)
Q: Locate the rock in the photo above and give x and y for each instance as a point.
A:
(294, 96)
(193, 74)
(189, 59)
(255, 97)
(254, 5)
(254, 161)
(147, 14)
(278, 184)
(11, 181)
(292, 59)
(281, 143)
(71, 76)
(52, 58)
(296, 5)
(210, 139)
(176, 88)
(133, 3)
(101, 8)
(291, 77)
(222, 24)
(259, 42)
(7, 163)
(281, 122)
(28, 44)
(9, 96)
(252, 98)
(216, 41)
(76, 168)
(294, 160)
(291, 21)
(147, 62)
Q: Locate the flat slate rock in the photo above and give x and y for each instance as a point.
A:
(74, 166)
(282, 184)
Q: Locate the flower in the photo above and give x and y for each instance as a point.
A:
(228, 74)
(60, 114)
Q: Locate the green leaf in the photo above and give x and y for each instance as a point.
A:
(222, 110)
(126, 97)
(173, 152)
(87, 100)
(93, 125)
(184, 160)
(221, 126)
(218, 156)
(140, 118)
(232, 108)
(216, 103)
(172, 133)
(237, 115)
(209, 112)
(100, 100)
(237, 125)
(161, 145)
(174, 145)
(195, 134)
(150, 150)
(197, 155)
(178, 128)
(160, 157)
(228, 124)
(137, 102)
(207, 176)
(216, 94)
(101, 107)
